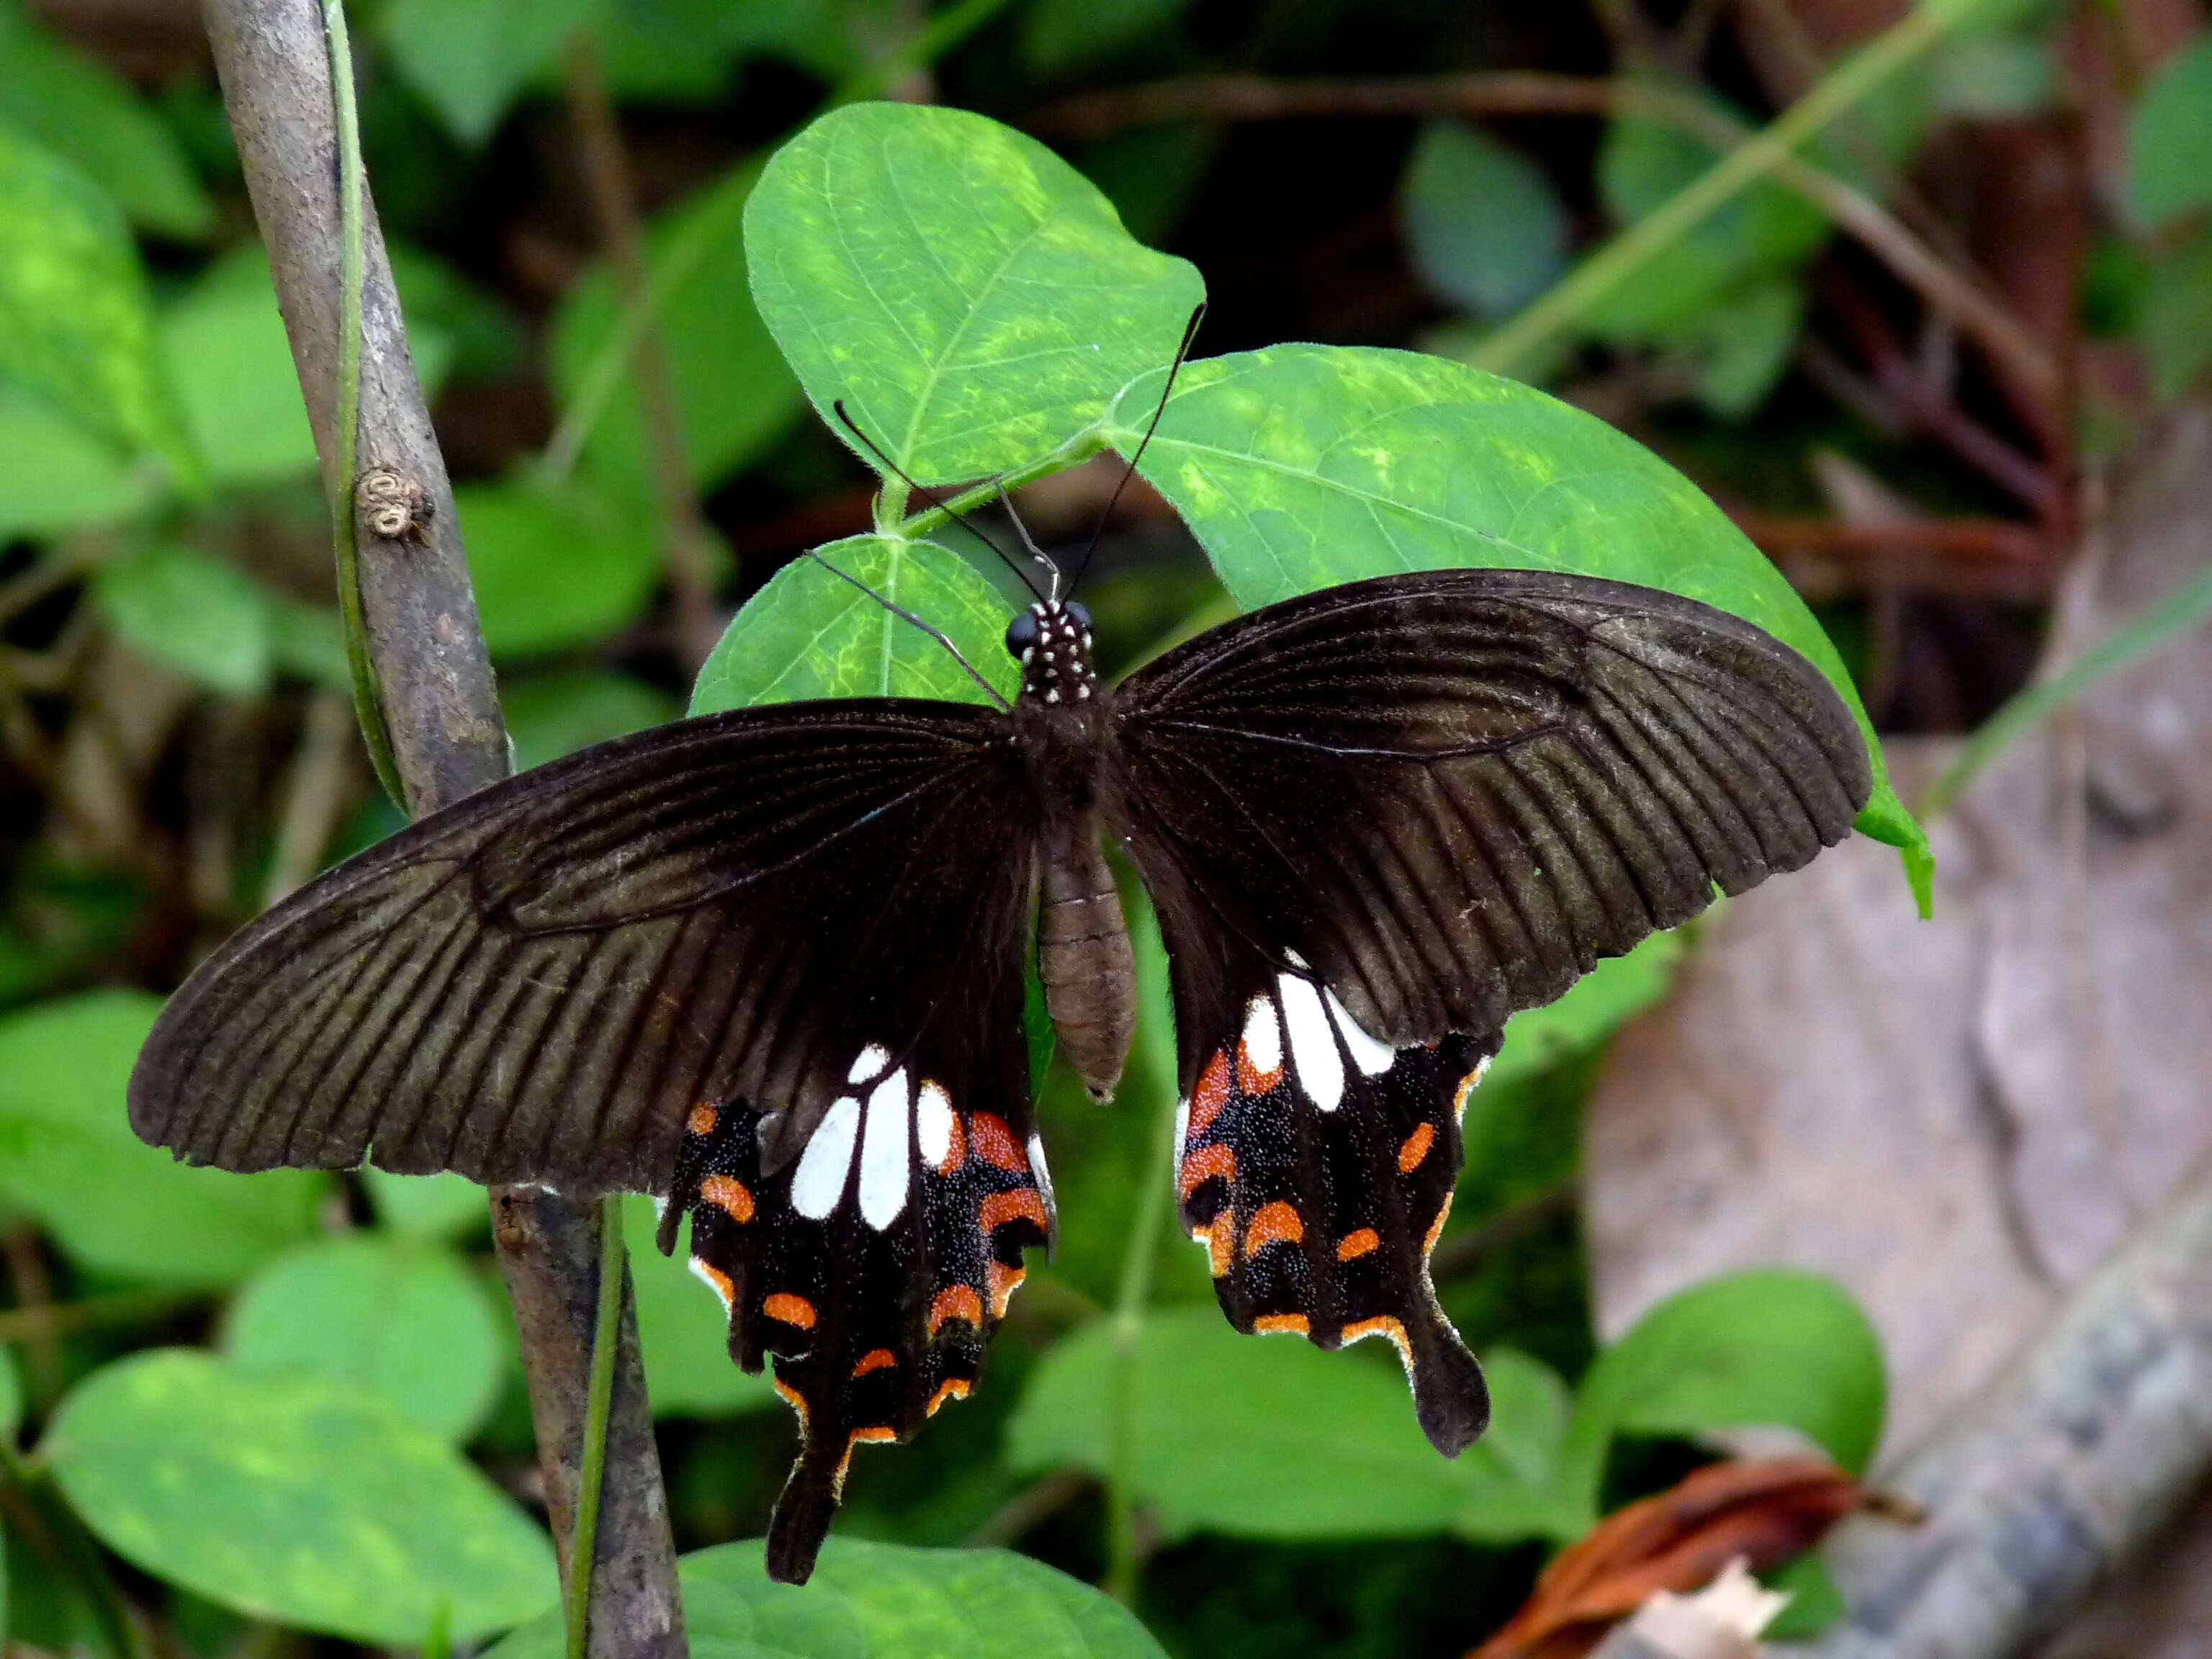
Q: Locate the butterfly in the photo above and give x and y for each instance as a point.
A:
(769, 963)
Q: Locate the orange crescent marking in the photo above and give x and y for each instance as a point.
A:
(1273, 1223)
(1466, 1087)
(1282, 1325)
(993, 1142)
(704, 1119)
(794, 1398)
(1437, 1228)
(874, 1360)
(1021, 1204)
(952, 1388)
(1416, 1148)
(1358, 1244)
(1210, 1096)
(718, 1278)
(1385, 1326)
(1217, 1236)
(728, 1194)
(791, 1309)
(1201, 1164)
(956, 1301)
(1003, 1281)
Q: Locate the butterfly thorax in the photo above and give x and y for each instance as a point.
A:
(1083, 944)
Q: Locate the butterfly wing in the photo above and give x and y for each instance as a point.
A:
(768, 963)
(1378, 819)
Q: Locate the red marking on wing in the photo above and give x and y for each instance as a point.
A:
(1218, 1236)
(1021, 1202)
(956, 1149)
(1273, 1223)
(1415, 1149)
(954, 1388)
(1003, 1282)
(1381, 1325)
(1211, 1094)
(874, 1360)
(791, 1309)
(1201, 1165)
(1281, 1325)
(993, 1142)
(702, 1119)
(1466, 1087)
(1358, 1244)
(728, 1194)
(1437, 1227)
(956, 1301)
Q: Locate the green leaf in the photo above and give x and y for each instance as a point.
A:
(468, 59)
(553, 566)
(434, 1208)
(76, 324)
(232, 364)
(404, 1321)
(1764, 1348)
(1735, 353)
(734, 397)
(686, 49)
(1484, 227)
(1267, 1438)
(1597, 1005)
(1302, 466)
(56, 476)
(88, 114)
(1815, 1602)
(971, 297)
(891, 1600)
(201, 615)
(809, 633)
(2170, 139)
(1994, 76)
(482, 336)
(682, 1330)
(112, 1203)
(292, 1498)
(550, 716)
(2175, 328)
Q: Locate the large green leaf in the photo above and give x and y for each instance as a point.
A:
(734, 395)
(553, 566)
(232, 363)
(1485, 227)
(468, 59)
(1300, 466)
(1276, 1439)
(201, 615)
(76, 324)
(889, 1599)
(407, 1321)
(972, 298)
(2170, 139)
(293, 1498)
(683, 1330)
(85, 112)
(111, 1202)
(1764, 1348)
(810, 634)
(56, 476)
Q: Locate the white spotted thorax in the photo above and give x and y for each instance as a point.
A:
(1053, 642)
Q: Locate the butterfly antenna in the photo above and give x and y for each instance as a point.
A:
(934, 498)
(902, 612)
(1028, 540)
(1182, 351)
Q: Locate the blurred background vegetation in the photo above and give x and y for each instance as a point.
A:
(1903, 365)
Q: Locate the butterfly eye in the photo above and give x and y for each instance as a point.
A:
(1022, 633)
(1079, 615)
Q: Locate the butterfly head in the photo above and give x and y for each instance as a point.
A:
(1052, 642)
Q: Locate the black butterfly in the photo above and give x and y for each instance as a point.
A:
(770, 962)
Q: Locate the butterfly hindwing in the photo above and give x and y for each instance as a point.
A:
(1315, 1164)
(871, 1270)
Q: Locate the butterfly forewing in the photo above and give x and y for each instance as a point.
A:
(1377, 820)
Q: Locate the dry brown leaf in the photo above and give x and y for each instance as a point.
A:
(1765, 1512)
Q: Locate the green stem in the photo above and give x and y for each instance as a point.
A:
(1850, 83)
(368, 707)
(2187, 606)
(584, 1541)
(1155, 1060)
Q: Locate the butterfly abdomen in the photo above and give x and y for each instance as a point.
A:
(1082, 956)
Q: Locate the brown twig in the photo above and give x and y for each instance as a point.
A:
(614, 206)
(1520, 91)
(443, 713)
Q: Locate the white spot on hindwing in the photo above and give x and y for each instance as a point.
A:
(1263, 1038)
(932, 1124)
(872, 1059)
(1313, 1042)
(1370, 1054)
(1182, 1125)
(883, 1151)
(823, 1166)
(1044, 1183)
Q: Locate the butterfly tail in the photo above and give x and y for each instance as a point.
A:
(802, 1517)
(1449, 1395)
